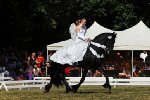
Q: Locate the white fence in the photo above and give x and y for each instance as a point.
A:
(20, 84)
(40, 82)
(2, 78)
(113, 82)
(8, 83)
(102, 80)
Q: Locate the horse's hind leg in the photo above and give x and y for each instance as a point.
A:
(107, 84)
(75, 87)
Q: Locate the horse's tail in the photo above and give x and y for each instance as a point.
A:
(55, 70)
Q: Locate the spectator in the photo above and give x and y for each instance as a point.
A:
(136, 71)
(40, 61)
(143, 55)
(97, 73)
(89, 73)
(43, 69)
(11, 67)
(29, 74)
(33, 58)
(28, 68)
(27, 63)
(36, 71)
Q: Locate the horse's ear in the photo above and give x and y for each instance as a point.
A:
(115, 33)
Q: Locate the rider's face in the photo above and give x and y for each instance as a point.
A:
(83, 22)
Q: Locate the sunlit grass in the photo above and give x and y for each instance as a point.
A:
(84, 93)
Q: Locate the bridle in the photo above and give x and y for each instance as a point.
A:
(99, 46)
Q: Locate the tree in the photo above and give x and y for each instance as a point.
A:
(26, 23)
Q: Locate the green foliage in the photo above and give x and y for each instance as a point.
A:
(125, 17)
(30, 21)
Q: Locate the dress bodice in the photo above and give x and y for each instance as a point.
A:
(81, 33)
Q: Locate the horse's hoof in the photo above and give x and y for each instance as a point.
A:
(45, 91)
(109, 87)
(105, 86)
(68, 90)
(74, 88)
(109, 91)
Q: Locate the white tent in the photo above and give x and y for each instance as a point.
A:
(56, 46)
(95, 30)
(134, 38)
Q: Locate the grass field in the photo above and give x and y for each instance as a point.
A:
(84, 93)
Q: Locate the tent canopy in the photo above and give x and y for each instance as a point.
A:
(95, 30)
(56, 46)
(134, 38)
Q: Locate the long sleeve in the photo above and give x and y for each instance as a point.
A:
(72, 31)
(81, 34)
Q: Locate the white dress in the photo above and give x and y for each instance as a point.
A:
(72, 31)
(74, 52)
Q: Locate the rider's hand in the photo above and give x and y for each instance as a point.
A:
(88, 40)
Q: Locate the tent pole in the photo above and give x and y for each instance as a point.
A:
(132, 63)
(47, 61)
(81, 72)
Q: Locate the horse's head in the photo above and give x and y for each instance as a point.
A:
(107, 40)
(99, 48)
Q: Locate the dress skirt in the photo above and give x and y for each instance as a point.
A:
(70, 54)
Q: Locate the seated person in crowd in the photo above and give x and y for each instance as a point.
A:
(136, 71)
(97, 73)
(143, 55)
(36, 71)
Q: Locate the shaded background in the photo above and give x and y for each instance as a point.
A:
(33, 24)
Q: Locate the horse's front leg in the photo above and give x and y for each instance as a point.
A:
(75, 87)
(68, 89)
(107, 84)
(53, 73)
(48, 86)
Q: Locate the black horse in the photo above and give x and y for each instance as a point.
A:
(97, 51)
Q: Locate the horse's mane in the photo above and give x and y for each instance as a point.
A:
(101, 36)
(96, 47)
